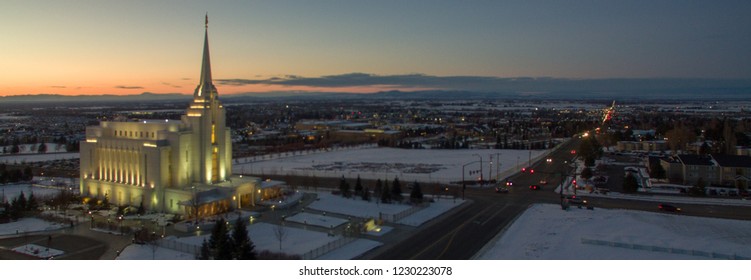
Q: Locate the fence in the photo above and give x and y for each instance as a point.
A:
(669, 250)
(179, 246)
(398, 216)
(328, 247)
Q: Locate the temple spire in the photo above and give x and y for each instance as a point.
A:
(205, 89)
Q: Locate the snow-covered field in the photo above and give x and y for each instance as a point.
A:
(24, 225)
(385, 163)
(544, 231)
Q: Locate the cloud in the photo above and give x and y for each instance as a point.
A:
(129, 87)
(58, 87)
(171, 85)
(494, 84)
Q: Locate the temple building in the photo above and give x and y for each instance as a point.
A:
(171, 166)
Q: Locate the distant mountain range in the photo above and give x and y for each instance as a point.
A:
(719, 93)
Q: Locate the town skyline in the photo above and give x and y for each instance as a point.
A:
(125, 48)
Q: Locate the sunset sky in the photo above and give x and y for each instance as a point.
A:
(131, 47)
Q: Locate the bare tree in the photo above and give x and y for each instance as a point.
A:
(281, 233)
(154, 245)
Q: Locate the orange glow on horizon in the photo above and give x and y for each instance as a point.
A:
(188, 89)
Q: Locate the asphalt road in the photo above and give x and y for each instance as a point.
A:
(465, 231)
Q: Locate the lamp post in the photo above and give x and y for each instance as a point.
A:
(561, 188)
(464, 182)
(481, 181)
(498, 167)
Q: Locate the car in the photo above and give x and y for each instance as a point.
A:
(543, 182)
(576, 200)
(509, 183)
(501, 190)
(534, 187)
(668, 208)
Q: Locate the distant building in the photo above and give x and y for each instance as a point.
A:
(729, 171)
(648, 146)
(174, 166)
(345, 131)
(698, 166)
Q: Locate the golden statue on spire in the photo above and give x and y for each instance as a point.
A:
(207, 20)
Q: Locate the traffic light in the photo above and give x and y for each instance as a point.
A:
(531, 171)
(573, 182)
(524, 169)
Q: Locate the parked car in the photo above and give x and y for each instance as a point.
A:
(668, 208)
(534, 187)
(576, 200)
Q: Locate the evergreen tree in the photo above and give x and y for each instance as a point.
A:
(630, 185)
(396, 190)
(219, 242)
(386, 193)
(205, 251)
(344, 187)
(657, 171)
(586, 173)
(16, 212)
(141, 210)
(27, 174)
(22, 201)
(365, 194)
(704, 149)
(242, 246)
(699, 189)
(358, 185)
(378, 189)
(106, 201)
(42, 148)
(590, 150)
(32, 204)
(416, 194)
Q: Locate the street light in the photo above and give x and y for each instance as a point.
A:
(480, 168)
(464, 182)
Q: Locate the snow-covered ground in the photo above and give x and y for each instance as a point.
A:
(14, 190)
(544, 231)
(428, 213)
(29, 153)
(385, 163)
(372, 209)
(296, 241)
(148, 252)
(299, 241)
(316, 220)
(38, 251)
(355, 207)
(24, 225)
(351, 250)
